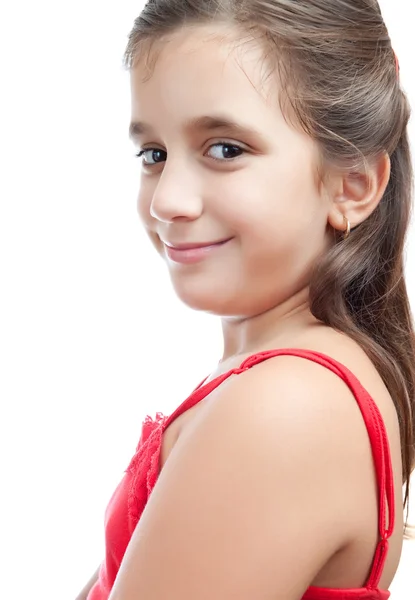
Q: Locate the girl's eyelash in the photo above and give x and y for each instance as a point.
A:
(220, 143)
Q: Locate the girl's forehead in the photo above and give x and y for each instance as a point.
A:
(204, 51)
(183, 91)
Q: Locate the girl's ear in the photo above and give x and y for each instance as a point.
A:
(356, 194)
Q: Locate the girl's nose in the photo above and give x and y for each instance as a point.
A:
(176, 196)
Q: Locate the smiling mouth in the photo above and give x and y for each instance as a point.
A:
(195, 246)
(193, 252)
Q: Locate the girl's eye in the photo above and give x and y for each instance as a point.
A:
(224, 151)
(152, 156)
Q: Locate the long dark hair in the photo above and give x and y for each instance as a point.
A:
(339, 77)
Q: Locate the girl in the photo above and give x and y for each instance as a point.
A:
(276, 184)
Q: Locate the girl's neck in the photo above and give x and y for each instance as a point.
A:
(277, 327)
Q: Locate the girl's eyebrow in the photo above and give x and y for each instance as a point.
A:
(204, 123)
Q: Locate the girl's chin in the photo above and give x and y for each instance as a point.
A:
(199, 297)
(214, 299)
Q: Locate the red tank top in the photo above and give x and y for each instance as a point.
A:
(130, 497)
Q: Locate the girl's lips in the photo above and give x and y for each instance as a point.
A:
(192, 253)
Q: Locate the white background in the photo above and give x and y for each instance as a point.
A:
(91, 336)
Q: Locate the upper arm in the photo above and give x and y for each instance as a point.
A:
(251, 500)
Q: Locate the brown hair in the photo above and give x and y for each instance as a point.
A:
(338, 73)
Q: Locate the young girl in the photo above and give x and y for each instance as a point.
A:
(276, 183)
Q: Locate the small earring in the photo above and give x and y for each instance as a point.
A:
(347, 226)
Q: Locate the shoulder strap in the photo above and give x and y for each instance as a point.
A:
(374, 425)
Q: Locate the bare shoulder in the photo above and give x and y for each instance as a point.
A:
(269, 489)
(253, 500)
(307, 414)
(304, 395)
(286, 386)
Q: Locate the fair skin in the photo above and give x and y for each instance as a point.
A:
(228, 516)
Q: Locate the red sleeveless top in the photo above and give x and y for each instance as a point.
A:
(130, 497)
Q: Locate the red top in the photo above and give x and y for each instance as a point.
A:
(130, 497)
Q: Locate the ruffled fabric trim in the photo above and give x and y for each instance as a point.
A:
(144, 466)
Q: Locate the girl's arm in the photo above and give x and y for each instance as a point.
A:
(85, 590)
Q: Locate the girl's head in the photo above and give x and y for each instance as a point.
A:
(265, 124)
(221, 163)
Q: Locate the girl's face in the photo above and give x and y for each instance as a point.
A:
(222, 168)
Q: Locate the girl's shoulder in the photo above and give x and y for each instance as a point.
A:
(286, 435)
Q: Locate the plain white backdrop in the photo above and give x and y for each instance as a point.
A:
(91, 336)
